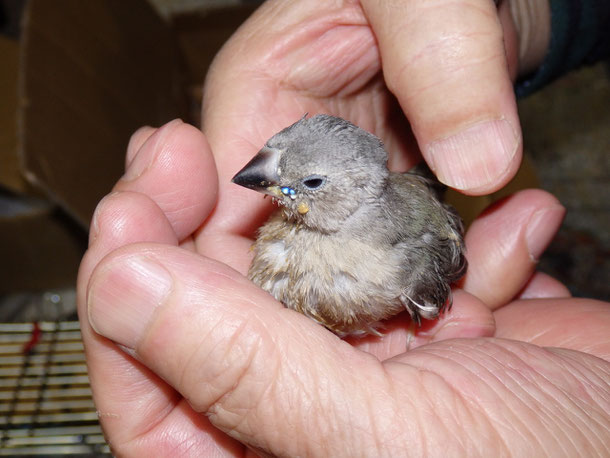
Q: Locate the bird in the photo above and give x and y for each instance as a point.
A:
(351, 244)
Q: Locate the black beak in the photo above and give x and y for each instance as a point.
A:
(261, 172)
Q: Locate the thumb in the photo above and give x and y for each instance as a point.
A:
(259, 371)
(446, 63)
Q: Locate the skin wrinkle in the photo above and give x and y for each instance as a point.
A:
(329, 409)
(184, 444)
(555, 400)
(542, 333)
(185, 375)
(307, 407)
(332, 431)
(247, 365)
(374, 430)
(434, 84)
(390, 413)
(439, 43)
(585, 418)
(286, 41)
(295, 379)
(141, 436)
(285, 47)
(305, 402)
(355, 85)
(545, 417)
(420, 419)
(463, 441)
(406, 413)
(360, 435)
(175, 441)
(360, 80)
(291, 84)
(516, 415)
(341, 407)
(472, 400)
(601, 384)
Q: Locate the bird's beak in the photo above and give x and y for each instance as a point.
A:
(260, 174)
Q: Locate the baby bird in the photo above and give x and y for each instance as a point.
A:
(352, 243)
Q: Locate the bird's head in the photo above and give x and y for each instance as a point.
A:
(321, 170)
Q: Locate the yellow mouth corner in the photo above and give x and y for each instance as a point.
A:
(302, 208)
(275, 191)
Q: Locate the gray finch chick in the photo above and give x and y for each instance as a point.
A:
(352, 243)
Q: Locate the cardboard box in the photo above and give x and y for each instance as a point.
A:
(83, 77)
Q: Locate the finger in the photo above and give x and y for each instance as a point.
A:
(573, 323)
(122, 218)
(175, 168)
(543, 286)
(446, 63)
(261, 372)
(467, 318)
(505, 242)
(136, 141)
(128, 217)
(253, 366)
(138, 410)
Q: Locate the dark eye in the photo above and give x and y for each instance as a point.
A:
(314, 182)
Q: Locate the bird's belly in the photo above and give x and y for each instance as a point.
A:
(342, 283)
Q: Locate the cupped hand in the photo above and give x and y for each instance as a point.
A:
(187, 357)
(435, 76)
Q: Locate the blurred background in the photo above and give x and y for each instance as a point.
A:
(77, 78)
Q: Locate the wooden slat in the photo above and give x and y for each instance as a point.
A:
(45, 336)
(46, 405)
(47, 393)
(82, 430)
(50, 450)
(34, 359)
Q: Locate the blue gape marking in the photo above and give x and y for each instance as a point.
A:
(287, 190)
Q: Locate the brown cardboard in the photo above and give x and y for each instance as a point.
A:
(200, 34)
(82, 79)
(92, 73)
(10, 176)
(39, 247)
(84, 76)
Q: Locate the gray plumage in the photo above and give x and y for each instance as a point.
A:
(352, 243)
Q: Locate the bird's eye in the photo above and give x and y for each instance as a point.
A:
(314, 182)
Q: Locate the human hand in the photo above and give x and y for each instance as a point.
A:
(420, 74)
(207, 363)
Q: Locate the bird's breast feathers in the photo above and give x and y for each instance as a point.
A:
(317, 273)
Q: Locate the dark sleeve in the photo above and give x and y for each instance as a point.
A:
(580, 35)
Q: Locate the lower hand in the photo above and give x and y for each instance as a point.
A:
(187, 357)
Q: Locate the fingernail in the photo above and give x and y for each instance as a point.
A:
(95, 221)
(465, 330)
(122, 298)
(142, 161)
(476, 157)
(541, 229)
